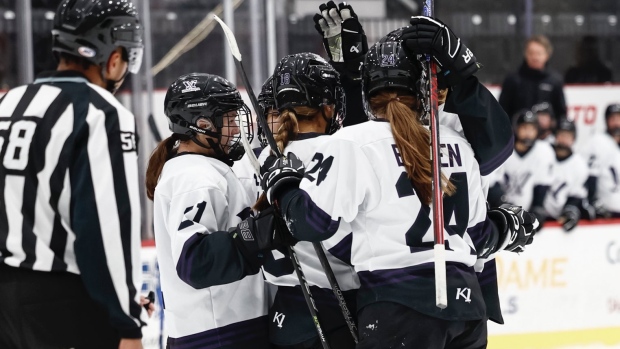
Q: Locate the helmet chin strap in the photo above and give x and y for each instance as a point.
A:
(113, 85)
(217, 148)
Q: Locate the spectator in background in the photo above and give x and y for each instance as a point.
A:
(603, 154)
(546, 121)
(567, 201)
(589, 69)
(534, 83)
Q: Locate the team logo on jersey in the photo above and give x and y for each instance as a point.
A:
(244, 227)
(279, 319)
(388, 60)
(285, 79)
(465, 293)
(190, 86)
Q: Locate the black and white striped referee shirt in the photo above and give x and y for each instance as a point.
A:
(69, 184)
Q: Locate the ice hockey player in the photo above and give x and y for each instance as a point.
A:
(567, 200)
(374, 179)
(208, 247)
(603, 154)
(547, 122)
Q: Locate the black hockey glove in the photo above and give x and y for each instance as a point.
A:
(570, 217)
(430, 36)
(279, 174)
(517, 227)
(258, 235)
(343, 37)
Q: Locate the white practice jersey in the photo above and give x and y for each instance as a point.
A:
(279, 270)
(569, 180)
(205, 293)
(360, 180)
(519, 175)
(603, 156)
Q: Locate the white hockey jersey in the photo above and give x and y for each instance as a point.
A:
(279, 271)
(208, 301)
(603, 154)
(519, 175)
(569, 179)
(246, 173)
(359, 180)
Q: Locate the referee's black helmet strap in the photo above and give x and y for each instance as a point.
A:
(306, 79)
(93, 29)
(388, 66)
(199, 95)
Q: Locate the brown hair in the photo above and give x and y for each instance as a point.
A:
(165, 151)
(288, 130)
(541, 40)
(412, 140)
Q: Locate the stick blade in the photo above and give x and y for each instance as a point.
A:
(230, 37)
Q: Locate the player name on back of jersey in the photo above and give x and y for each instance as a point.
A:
(450, 155)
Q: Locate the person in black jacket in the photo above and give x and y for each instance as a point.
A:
(534, 83)
(589, 68)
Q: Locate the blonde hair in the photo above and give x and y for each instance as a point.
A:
(412, 140)
(541, 40)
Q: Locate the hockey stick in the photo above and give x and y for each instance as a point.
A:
(305, 288)
(441, 292)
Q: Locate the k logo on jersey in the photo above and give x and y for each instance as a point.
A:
(464, 293)
(190, 86)
(279, 319)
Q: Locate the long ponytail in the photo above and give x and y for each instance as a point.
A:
(287, 132)
(412, 140)
(164, 151)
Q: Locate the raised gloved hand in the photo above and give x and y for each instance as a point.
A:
(343, 37)
(278, 174)
(570, 217)
(427, 35)
(256, 235)
(518, 226)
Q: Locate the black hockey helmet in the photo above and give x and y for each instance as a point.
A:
(387, 65)
(198, 95)
(566, 125)
(524, 116)
(543, 108)
(93, 29)
(306, 79)
(612, 109)
(266, 101)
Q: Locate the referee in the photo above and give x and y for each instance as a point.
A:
(70, 210)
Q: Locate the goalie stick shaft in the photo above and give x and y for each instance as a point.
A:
(305, 288)
(441, 296)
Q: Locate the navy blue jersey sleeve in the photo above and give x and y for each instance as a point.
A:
(486, 125)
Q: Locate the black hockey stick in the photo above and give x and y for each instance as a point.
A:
(305, 288)
(441, 297)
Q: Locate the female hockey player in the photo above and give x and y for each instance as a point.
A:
(243, 168)
(209, 258)
(373, 180)
(567, 200)
(309, 97)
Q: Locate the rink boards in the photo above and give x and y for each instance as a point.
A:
(562, 292)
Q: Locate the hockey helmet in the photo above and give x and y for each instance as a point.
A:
(306, 79)
(93, 29)
(566, 125)
(612, 109)
(543, 107)
(387, 65)
(525, 117)
(198, 95)
(266, 101)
